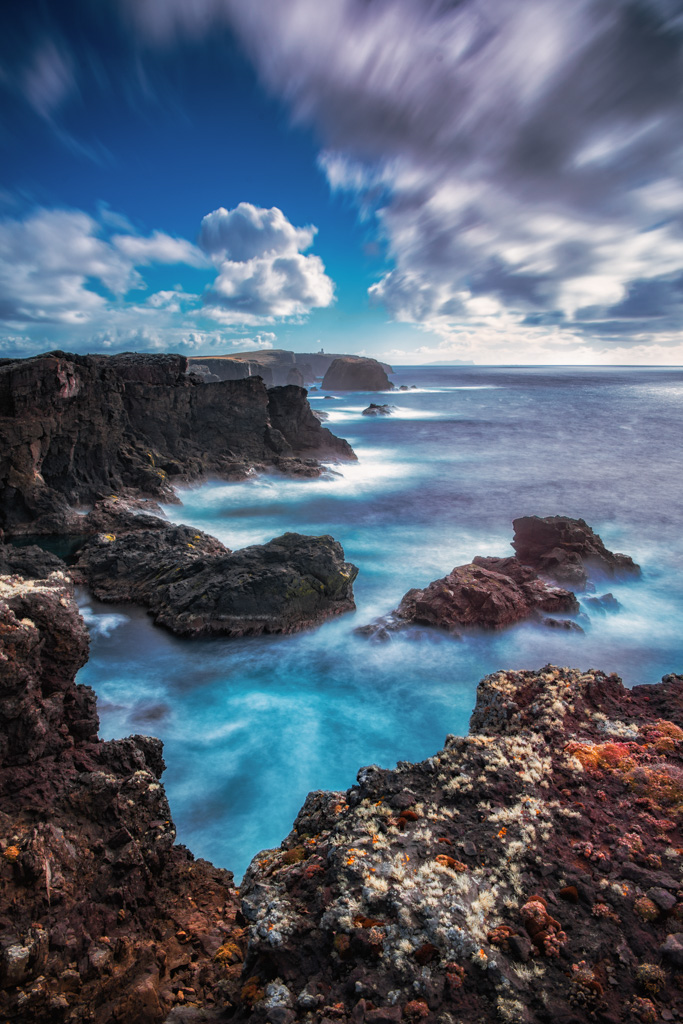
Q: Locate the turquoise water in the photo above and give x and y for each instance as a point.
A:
(250, 726)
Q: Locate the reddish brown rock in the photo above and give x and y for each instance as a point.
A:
(566, 549)
(560, 792)
(102, 917)
(474, 595)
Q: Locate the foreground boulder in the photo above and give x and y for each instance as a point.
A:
(77, 428)
(566, 549)
(195, 586)
(102, 917)
(356, 373)
(529, 872)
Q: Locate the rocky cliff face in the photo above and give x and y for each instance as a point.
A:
(356, 373)
(275, 366)
(102, 918)
(76, 428)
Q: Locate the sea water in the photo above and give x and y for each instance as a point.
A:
(250, 726)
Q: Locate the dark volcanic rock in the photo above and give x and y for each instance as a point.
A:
(356, 373)
(378, 410)
(425, 890)
(472, 595)
(565, 549)
(195, 586)
(302, 427)
(102, 917)
(77, 428)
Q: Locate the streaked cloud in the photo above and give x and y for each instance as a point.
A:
(528, 156)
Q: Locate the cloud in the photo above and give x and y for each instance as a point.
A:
(248, 232)
(56, 264)
(48, 79)
(525, 153)
(262, 272)
(63, 269)
(46, 262)
(159, 248)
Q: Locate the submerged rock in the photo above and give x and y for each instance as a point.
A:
(566, 549)
(195, 586)
(356, 373)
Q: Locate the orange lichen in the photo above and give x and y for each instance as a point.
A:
(603, 757)
(228, 953)
(646, 909)
(662, 784)
(252, 992)
(11, 854)
(450, 862)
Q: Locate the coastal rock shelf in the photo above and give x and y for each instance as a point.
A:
(528, 872)
(531, 871)
(76, 428)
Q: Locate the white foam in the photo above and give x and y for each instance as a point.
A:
(102, 624)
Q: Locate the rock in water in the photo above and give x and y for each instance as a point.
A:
(103, 918)
(489, 592)
(378, 410)
(356, 373)
(195, 586)
(565, 549)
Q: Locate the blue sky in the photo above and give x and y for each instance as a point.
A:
(415, 180)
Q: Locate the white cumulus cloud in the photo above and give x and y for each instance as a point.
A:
(262, 272)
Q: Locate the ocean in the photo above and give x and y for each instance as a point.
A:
(250, 726)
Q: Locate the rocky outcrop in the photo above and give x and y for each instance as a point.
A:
(491, 596)
(566, 550)
(77, 428)
(529, 872)
(356, 373)
(195, 586)
(496, 592)
(301, 426)
(378, 410)
(102, 917)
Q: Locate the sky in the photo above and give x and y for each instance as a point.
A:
(415, 180)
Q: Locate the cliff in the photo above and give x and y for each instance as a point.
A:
(102, 917)
(76, 428)
(275, 366)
